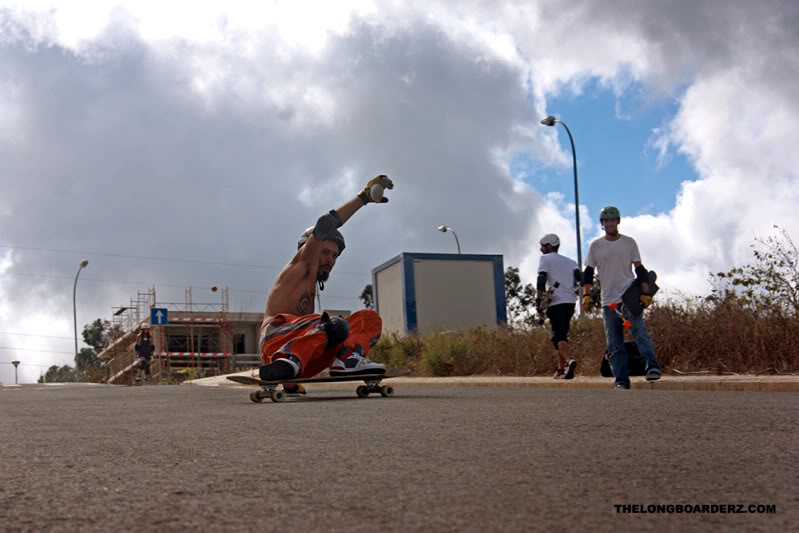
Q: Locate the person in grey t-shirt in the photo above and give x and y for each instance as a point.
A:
(615, 255)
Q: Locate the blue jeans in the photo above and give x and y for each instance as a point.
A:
(614, 333)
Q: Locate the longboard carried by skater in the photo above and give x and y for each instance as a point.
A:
(295, 342)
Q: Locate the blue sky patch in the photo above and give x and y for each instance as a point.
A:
(615, 164)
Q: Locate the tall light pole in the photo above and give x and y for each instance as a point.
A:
(551, 121)
(16, 364)
(83, 265)
(445, 229)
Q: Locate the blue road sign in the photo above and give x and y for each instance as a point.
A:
(158, 316)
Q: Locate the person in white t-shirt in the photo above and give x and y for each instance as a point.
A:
(561, 275)
(615, 255)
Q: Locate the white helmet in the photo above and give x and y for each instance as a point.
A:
(145, 325)
(551, 239)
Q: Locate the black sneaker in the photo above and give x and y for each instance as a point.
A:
(653, 374)
(570, 366)
(283, 368)
(621, 385)
(559, 373)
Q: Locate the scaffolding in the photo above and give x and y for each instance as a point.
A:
(200, 351)
(130, 317)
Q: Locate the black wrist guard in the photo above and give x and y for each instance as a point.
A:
(364, 197)
(588, 276)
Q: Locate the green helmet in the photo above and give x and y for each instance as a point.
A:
(609, 212)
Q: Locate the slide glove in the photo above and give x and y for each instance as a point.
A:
(587, 301)
(646, 300)
(373, 192)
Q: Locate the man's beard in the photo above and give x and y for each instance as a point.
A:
(613, 233)
(322, 275)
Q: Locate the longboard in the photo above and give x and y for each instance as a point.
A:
(632, 296)
(269, 388)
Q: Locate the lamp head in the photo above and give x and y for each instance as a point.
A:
(549, 121)
(442, 229)
(84, 263)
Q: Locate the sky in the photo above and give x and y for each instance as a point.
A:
(177, 144)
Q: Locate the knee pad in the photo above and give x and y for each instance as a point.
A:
(337, 330)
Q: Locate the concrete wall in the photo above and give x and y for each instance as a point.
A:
(390, 297)
(454, 294)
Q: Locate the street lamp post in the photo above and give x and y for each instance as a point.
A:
(444, 229)
(16, 364)
(83, 265)
(551, 121)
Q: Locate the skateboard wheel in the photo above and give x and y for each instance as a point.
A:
(278, 395)
(362, 391)
(254, 396)
(386, 391)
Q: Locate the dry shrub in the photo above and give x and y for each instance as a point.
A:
(688, 337)
(727, 337)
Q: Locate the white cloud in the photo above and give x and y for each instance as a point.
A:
(141, 130)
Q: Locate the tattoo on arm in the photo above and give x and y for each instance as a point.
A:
(305, 305)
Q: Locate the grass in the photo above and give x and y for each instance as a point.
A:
(688, 337)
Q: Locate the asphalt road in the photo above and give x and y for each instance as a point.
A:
(180, 458)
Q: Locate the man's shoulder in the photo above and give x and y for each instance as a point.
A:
(566, 261)
(543, 261)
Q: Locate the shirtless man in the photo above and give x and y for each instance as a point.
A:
(295, 343)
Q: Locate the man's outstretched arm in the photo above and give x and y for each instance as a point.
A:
(364, 197)
(329, 222)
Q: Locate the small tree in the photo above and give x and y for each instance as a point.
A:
(56, 374)
(519, 299)
(771, 283)
(99, 335)
(367, 297)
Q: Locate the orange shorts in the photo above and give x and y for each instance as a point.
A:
(304, 338)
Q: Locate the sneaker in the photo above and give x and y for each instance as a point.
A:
(653, 374)
(621, 385)
(355, 364)
(283, 368)
(559, 373)
(294, 390)
(570, 366)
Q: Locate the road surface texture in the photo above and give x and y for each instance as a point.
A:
(188, 458)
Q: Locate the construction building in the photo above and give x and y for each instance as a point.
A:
(206, 337)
